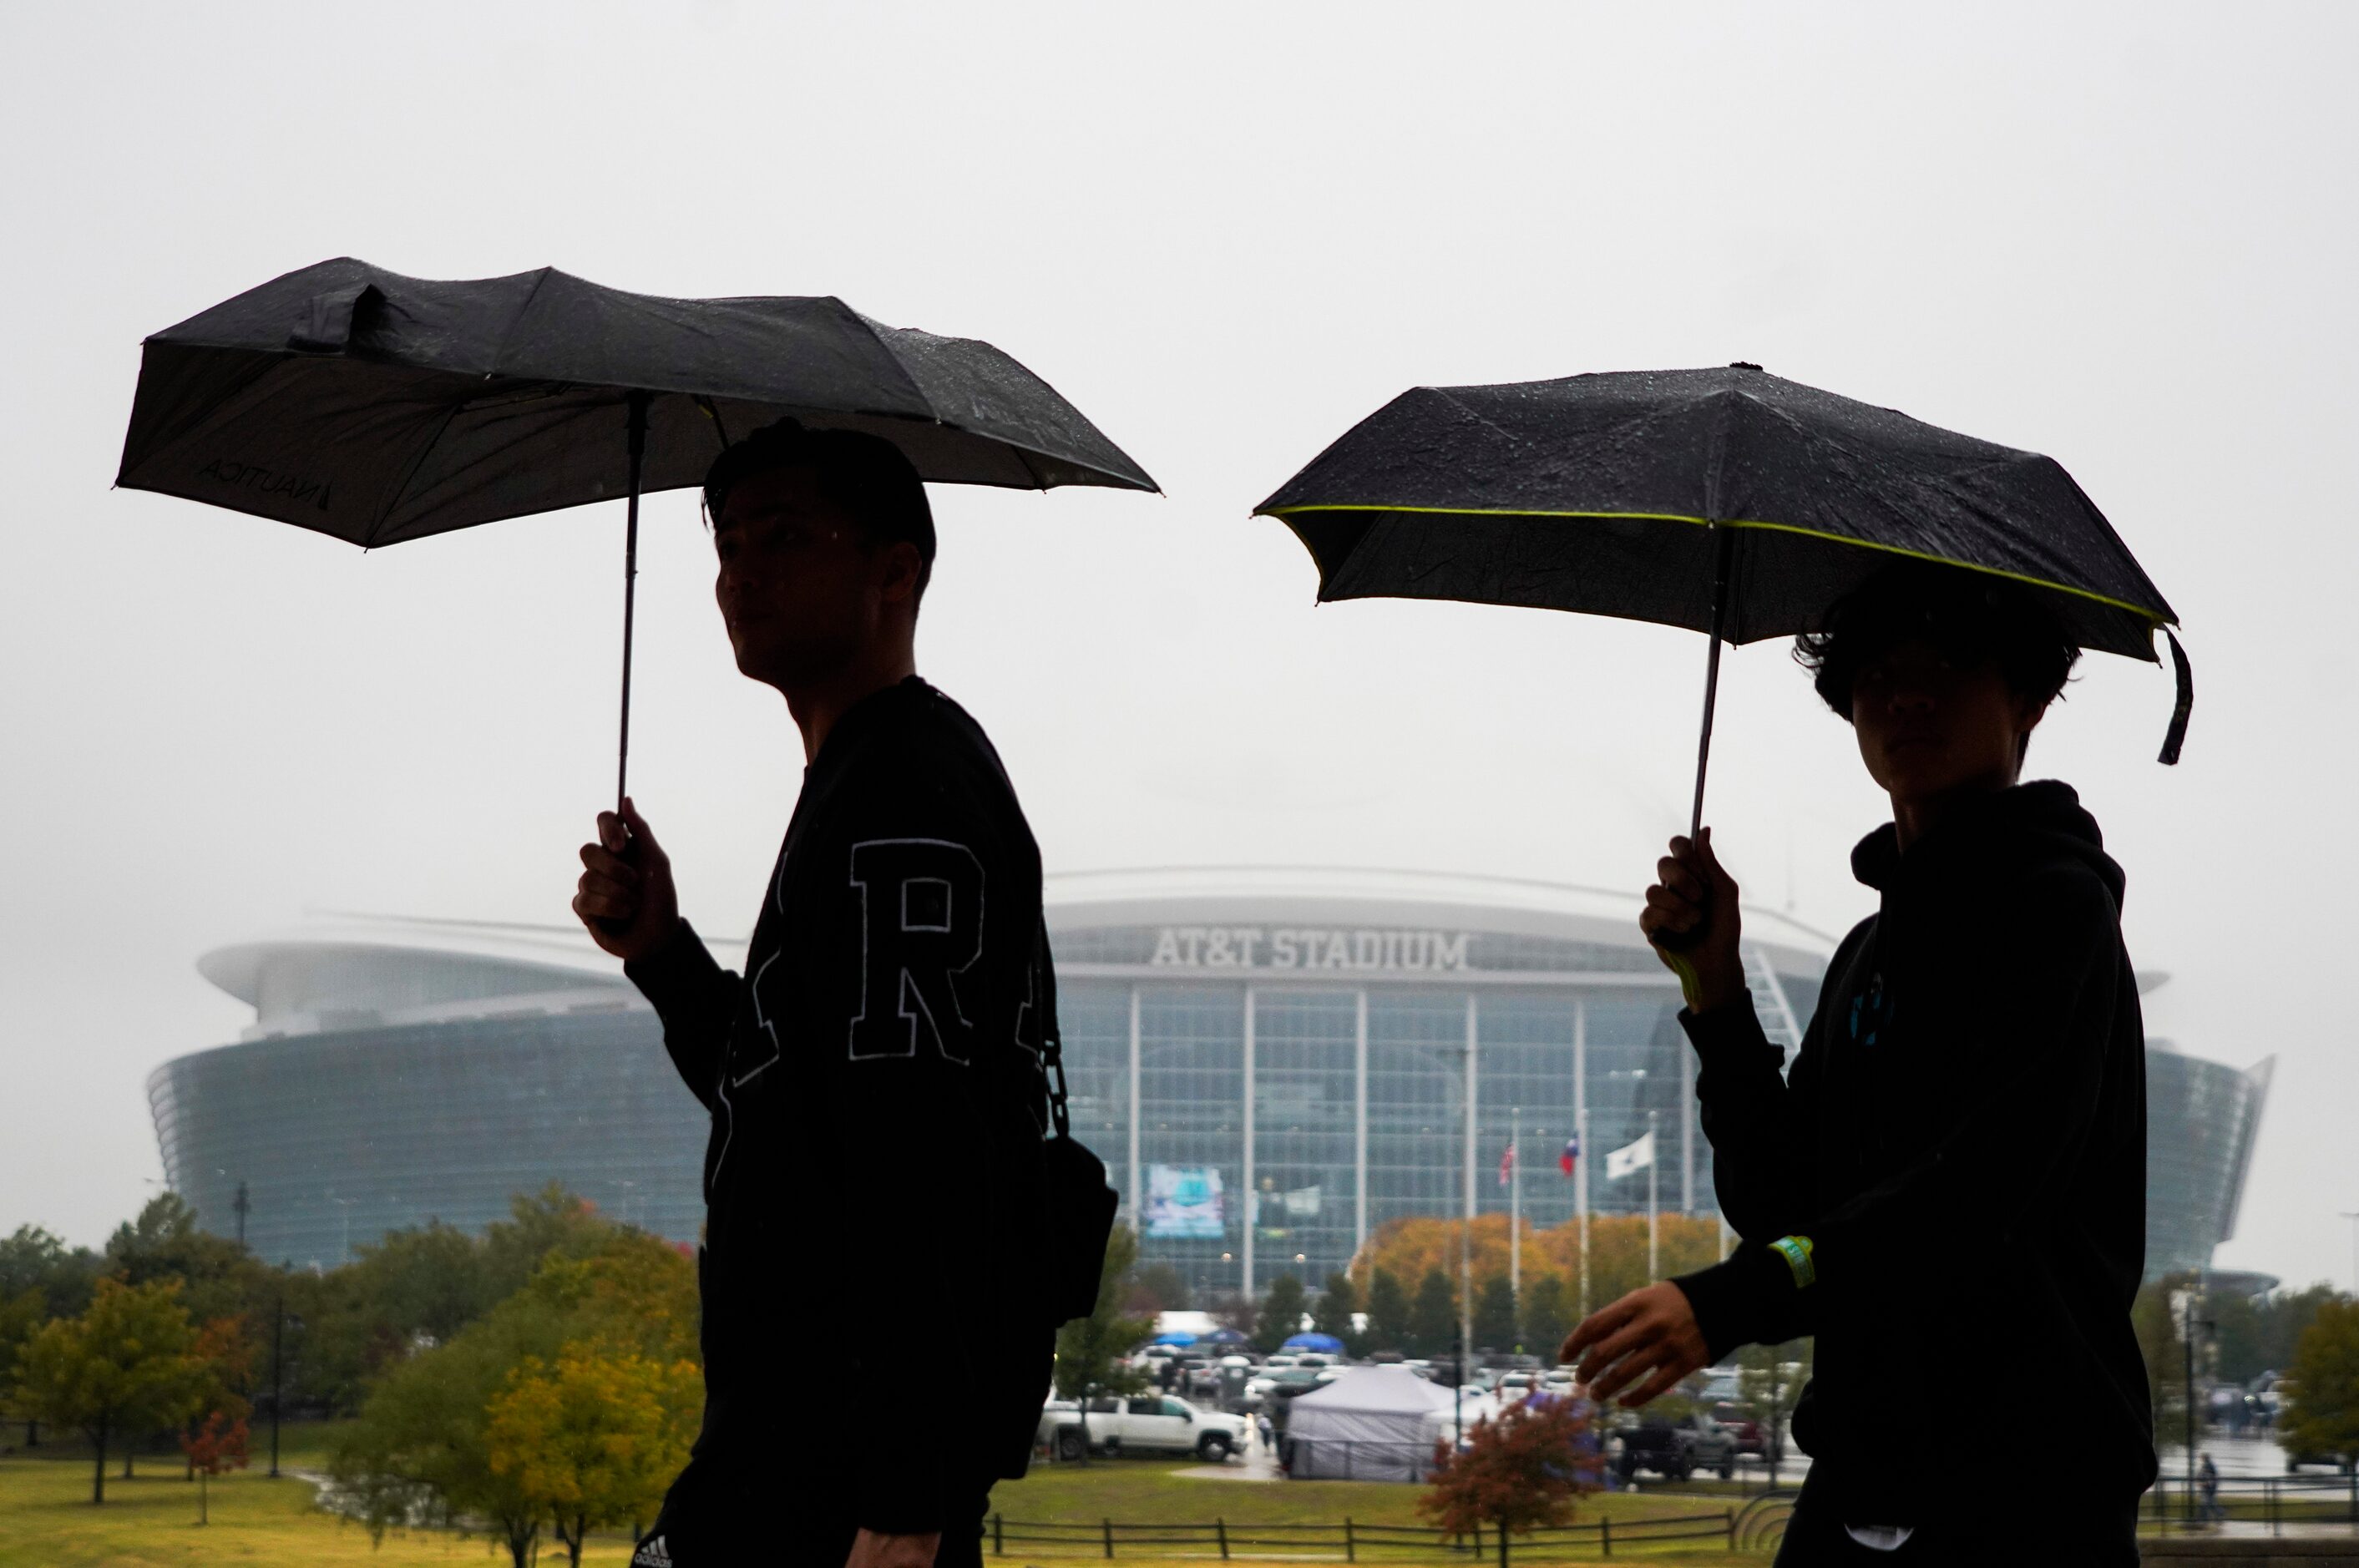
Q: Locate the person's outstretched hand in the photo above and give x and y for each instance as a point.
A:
(1692, 920)
(1645, 1342)
(626, 897)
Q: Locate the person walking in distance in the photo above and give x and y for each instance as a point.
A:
(874, 1077)
(1959, 1150)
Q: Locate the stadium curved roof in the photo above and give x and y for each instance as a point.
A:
(339, 970)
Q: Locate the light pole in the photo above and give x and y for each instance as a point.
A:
(2189, 1323)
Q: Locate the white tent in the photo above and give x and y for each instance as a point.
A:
(1370, 1425)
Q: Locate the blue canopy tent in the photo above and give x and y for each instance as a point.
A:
(1321, 1342)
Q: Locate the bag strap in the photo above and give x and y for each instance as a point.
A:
(1053, 1042)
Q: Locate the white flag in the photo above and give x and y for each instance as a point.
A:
(1631, 1156)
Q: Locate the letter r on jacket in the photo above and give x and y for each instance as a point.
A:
(920, 929)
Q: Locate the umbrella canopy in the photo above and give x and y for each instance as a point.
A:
(1323, 1342)
(380, 409)
(1729, 501)
(1176, 1337)
(1224, 1337)
(1609, 495)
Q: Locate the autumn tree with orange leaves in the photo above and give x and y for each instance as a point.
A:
(1408, 1249)
(1520, 1470)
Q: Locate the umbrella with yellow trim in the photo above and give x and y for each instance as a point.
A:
(1727, 501)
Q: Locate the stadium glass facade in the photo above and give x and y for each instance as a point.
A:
(1272, 1065)
(2201, 1120)
(1309, 1058)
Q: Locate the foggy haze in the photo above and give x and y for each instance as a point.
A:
(2117, 235)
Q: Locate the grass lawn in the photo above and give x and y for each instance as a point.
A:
(47, 1519)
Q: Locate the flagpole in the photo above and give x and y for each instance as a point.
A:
(1580, 1171)
(1580, 1135)
(1654, 1251)
(1516, 1206)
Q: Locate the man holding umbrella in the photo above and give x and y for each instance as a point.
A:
(896, 1036)
(875, 1078)
(1955, 1163)
(1957, 1157)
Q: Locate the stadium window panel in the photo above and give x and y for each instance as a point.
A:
(1192, 1125)
(1303, 1132)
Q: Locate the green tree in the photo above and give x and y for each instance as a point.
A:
(418, 1289)
(2156, 1324)
(32, 1258)
(1091, 1351)
(593, 1439)
(2324, 1417)
(1281, 1313)
(1548, 1315)
(1433, 1316)
(552, 1221)
(1389, 1325)
(1157, 1288)
(423, 1447)
(127, 1364)
(1494, 1315)
(1334, 1310)
(218, 1277)
(420, 1452)
(1518, 1472)
(2258, 1334)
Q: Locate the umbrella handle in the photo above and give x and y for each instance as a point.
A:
(635, 443)
(1674, 943)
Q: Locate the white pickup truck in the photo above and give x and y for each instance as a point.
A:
(1144, 1422)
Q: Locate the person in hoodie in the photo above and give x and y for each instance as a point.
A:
(873, 1170)
(1951, 1173)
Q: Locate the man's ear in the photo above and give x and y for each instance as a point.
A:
(2027, 715)
(902, 568)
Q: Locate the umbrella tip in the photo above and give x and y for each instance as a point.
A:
(1742, 364)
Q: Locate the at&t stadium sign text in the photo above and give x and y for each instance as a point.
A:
(1307, 947)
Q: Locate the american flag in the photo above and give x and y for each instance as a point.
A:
(1572, 1154)
(1507, 1165)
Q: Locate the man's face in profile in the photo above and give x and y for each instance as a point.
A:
(1930, 724)
(800, 588)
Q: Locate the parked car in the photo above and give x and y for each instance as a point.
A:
(1743, 1428)
(1284, 1383)
(1677, 1449)
(1148, 1422)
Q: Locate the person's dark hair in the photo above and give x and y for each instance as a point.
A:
(866, 476)
(1970, 615)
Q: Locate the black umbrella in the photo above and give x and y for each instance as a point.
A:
(378, 409)
(1726, 501)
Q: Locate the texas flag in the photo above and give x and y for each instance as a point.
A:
(1508, 1165)
(1572, 1154)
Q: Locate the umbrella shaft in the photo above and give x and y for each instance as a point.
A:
(637, 446)
(1726, 547)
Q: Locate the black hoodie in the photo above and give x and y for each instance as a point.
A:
(1948, 1188)
(873, 1180)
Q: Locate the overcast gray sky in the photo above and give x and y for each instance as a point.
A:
(2119, 234)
